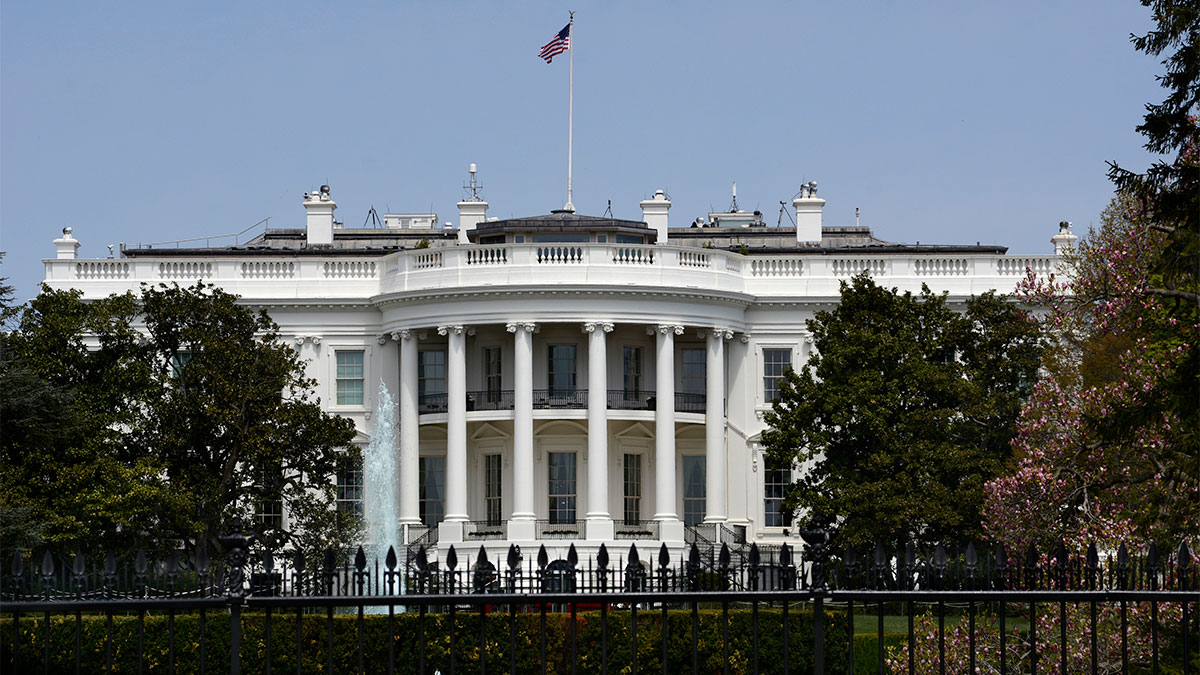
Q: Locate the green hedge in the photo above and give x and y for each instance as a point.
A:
(437, 642)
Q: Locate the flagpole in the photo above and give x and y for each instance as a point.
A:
(570, 206)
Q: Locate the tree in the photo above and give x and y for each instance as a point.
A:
(183, 409)
(903, 413)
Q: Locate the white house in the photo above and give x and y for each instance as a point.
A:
(561, 378)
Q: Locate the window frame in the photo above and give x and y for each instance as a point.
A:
(631, 500)
(774, 492)
(551, 373)
(770, 381)
(702, 486)
(493, 478)
(343, 396)
(562, 493)
(423, 500)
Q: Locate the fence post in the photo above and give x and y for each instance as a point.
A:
(236, 545)
(817, 539)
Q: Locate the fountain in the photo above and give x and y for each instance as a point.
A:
(380, 503)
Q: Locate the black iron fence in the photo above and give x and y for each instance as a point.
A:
(653, 609)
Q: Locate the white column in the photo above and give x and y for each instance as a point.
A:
(715, 508)
(599, 520)
(522, 527)
(456, 428)
(670, 527)
(410, 442)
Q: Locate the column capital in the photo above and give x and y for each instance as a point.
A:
(665, 329)
(456, 330)
(716, 333)
(299, 340)
(402, 335)
(593, 326)
(382, 338)
(745, 338)
(527, 326)
(315, 339)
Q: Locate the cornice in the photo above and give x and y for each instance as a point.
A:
(710, 296)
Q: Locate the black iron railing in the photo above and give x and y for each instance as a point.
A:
(560, 398)
(618, 399)
(660, 610)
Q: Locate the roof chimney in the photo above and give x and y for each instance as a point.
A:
(654, 212)
(473, 210)
(320, 207)
(808, 214)
(67, 246)
(1065, 240)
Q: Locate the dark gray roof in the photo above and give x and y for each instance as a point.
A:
(563, 221)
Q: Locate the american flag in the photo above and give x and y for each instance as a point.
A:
(560, 44)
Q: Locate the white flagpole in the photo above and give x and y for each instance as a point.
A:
(570, 206)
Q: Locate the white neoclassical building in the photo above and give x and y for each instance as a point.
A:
(560, 378)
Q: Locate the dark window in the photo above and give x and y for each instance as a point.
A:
(431, 373)
(491, 481)
(695, 489)
(561, 370)
(633, 489)
(350, 485)
(632, 373)
(694, 369)
(562, 488)
(776, 479)
(493, 382)
(433, 489)
(350, 377)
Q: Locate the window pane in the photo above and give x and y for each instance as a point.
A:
(431, 373)
(561, 370)
(432, 484)
(694, 489)
(491, 373)
(492, 478)
(776, 479)
(632, 373)
(633, 489)
(561, 469)
(775, 363)
(349, 377)
(694, 366)
(350, 485)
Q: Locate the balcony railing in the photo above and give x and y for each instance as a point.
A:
(544, 399)
(639, 529)
(481, 530)
(559, 398)
(545, 529)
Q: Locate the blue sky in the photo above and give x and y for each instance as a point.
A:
(944, 122)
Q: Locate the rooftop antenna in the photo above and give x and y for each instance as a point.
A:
(608, 211)
(733, 207)
(473, 186)
(856, 216)
(783, 210)
(372, 218)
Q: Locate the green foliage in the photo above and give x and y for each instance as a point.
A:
(903, 413)
(152, 420)
(408, 630)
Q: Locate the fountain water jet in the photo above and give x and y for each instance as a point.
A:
(380, 499)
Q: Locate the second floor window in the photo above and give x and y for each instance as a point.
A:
(349, 377)
(775, 363)
(431, 374)
(631, 370)
(492, 381)
(694, 369)
(560, 374)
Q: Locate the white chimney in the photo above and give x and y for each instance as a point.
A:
(654, 212)
(320, 207)
(808, 214)
(1064, 241)
(471, 211)
(67, 246)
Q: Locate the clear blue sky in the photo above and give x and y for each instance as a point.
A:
(946, 122)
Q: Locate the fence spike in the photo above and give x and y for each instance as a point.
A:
(723, 557)
(17, 566)
(634, 561)
(543, 558)
(572, 557)
(360, 559)
(514, 557)
(47, 564)
(602, 558)
(451, 558)
(140, 565)
(754, 556)
(298, 561)
(330, 561)
(390, 561)
(972, 556)
(110, 564)
(78, 567)
(481, 560)
(268, 561)
(422, 559)
(664, 557)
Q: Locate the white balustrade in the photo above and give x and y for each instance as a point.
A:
(776, 267)
(103, 269)
(190, 269)
(270, 269)
(427, 260)
(941, 266)
(1018, 265)
(559, 255)
(633, 255)
(487, 255)
(848, 267)
(350, 269)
